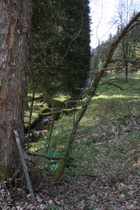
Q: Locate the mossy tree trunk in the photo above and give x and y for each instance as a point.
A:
(98, 77)
(14, 26)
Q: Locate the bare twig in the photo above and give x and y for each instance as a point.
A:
(109, 83)
(125, 60)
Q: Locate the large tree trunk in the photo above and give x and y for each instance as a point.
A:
(14, 26)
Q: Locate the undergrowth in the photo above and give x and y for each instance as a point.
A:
(107, 141)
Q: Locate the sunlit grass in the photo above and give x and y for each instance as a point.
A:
(38, 107)
(61, 97)
(100, 151)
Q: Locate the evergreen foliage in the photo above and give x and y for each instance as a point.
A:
(59, 50)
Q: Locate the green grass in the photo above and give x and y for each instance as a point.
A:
(112, 101)
(37, 108)
(106, 143)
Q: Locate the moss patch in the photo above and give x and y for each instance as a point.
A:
(3, 172)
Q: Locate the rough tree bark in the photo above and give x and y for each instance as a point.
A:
(14, 26)
(92, 92)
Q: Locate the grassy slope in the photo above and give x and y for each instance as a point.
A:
(108, 141)
(108, 132)
(106, 152)
(107, 125)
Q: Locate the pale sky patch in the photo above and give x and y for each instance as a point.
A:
(103, 15)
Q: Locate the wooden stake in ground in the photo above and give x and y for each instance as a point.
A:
(24, 166)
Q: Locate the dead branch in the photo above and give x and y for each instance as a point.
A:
(117, 86)
(44, 156)
(125, 60)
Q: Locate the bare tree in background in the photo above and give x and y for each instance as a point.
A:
(125, 12)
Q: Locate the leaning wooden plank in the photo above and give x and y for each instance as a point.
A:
(24, 165)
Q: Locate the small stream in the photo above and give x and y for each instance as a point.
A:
(42, 123)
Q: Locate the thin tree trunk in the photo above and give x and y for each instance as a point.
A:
(64, 160)
(14, 26)
(30, 117)
(98, 77)
(126, 72)
(50, 134)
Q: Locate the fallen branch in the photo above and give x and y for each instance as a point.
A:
(44, 156)
(117, 86)
(125, 60)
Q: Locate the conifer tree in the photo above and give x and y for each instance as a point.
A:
(60, 51)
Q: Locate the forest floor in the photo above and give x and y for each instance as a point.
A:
(111, 183)
(105, 170)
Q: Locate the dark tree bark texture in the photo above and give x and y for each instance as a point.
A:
(14, 26)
